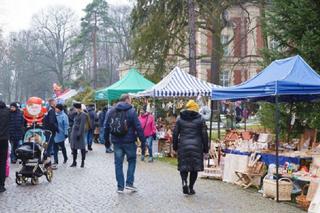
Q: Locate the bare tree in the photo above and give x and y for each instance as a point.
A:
(55, 28)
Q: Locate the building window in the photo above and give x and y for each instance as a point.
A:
(224, 78)
(273, 44)
(224, 41)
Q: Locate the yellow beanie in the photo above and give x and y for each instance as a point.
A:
(192, 106)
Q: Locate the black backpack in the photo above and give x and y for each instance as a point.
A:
(118, 123)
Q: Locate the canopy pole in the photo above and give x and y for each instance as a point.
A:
(277, 144)
(211, 117)
(218, 106)
(219, 134)
(245, 117)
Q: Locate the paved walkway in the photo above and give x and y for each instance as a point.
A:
(92, 189)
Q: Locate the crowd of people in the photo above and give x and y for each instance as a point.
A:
(119, 126)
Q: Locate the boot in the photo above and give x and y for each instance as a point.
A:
(90, 147)
(185, 187)
(74, 163)
(191, 190)
(83, 157)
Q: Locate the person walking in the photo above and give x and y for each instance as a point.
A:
(190, 141)
(78, 135)
(16, 130)
(50, 123)
(149, 130)
(59, 139)
(123, 125)
(4, 137)
(92, 117)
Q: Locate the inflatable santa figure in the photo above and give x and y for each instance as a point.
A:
(34, 111)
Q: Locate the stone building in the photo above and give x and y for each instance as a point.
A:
(240, 57)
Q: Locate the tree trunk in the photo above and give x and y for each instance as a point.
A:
(192, 39)
(94, 37)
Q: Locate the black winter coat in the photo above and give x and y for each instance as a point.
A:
(4, 122)
(50, 121)
(16, 125)
(190, 141)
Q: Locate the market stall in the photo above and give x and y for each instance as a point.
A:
(132, 82)
(286, 80)
(178, 84)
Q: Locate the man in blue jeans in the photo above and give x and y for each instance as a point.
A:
(123, 125)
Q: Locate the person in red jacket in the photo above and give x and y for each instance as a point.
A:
(149, 130)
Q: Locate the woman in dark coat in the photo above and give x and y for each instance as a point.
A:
(190, 141)
(78, 140)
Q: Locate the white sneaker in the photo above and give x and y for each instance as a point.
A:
(131, 188)
(120, 191)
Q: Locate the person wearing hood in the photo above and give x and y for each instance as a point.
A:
(149, 130)
(123, 125)
(190, 141)
(78, 140)
(4, 137)
(59, 139)
(16, 130)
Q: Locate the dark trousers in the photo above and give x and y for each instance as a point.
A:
(193, 177)
(14, 146)
(3, 161)
(56, 150)
(50, 145)
(75, 154)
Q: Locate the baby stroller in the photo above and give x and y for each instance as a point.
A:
(31, 154)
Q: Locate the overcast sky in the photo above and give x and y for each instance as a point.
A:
(16, 15)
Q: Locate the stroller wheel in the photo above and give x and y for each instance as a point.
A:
(34, 180)
(49, 174)
(19, 180)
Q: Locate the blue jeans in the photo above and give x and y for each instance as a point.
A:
(14, 146)
(120, 150)
(90, 137)
(149, 141)
(49, 150)
(101, 135)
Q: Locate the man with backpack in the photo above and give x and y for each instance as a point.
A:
(123, 125)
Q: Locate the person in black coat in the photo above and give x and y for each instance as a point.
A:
(50, 123)
(190, 141)
(4, 137)
(16, 129)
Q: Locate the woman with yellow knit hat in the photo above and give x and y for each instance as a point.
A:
(190, 141)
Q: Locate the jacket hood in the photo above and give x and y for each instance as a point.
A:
(189, 115)
(145, 115)
(123, 106)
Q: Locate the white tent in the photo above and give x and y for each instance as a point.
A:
(179, 83)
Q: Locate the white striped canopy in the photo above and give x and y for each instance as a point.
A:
(179, 83)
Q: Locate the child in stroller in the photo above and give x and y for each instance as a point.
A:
(31, 155)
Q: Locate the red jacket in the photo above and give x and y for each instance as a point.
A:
(148, 124)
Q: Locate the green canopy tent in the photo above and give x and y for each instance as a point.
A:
(132, 82)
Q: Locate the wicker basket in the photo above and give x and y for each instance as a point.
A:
(285, 188)
(302, 199)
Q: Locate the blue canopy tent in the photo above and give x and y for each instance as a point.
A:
(285, 80)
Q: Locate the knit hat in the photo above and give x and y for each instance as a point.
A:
(77, 105)
(14, 104)
(192, 106)
(60, 107)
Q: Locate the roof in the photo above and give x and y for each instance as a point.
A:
(292, 79)
(179, 83)
(133, 82)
